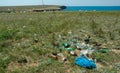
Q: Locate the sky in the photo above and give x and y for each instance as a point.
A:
(61, 2)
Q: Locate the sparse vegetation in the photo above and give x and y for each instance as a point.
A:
(26, 39)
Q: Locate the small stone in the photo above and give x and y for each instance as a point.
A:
(36, 40)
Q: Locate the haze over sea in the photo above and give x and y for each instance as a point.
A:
(91, 8)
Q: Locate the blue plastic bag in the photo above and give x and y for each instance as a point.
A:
(84, 62)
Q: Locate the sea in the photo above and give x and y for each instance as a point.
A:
(92, 8)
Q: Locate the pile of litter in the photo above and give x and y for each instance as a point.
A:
(81, 50)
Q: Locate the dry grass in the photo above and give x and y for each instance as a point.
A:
(26, 39)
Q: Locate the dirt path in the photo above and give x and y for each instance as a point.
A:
(99, 65)
(115, 51)
(15, 66)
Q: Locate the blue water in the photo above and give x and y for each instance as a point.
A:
(91, 8)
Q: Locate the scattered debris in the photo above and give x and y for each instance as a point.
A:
(103, 50)
(58, 56)
(83, 50)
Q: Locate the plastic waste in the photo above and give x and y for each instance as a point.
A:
(60, 54)
(59, 36)
(69, 32)
(80, 45)
(90, 50)
(61, 57)
(87, 51)
(53, 56)
(84, 62)
(72, 52)
(69, 49)
(103, 50)
(83, 52)
(65, 44)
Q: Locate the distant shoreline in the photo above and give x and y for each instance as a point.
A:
(44, 8)
(24, 9)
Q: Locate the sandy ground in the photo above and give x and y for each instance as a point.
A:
(115, 51)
